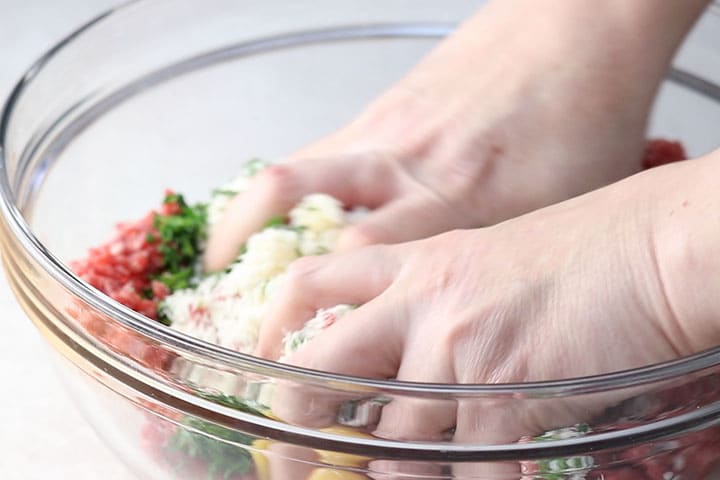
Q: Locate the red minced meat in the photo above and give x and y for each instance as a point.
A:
(124, 267)
(660, 152)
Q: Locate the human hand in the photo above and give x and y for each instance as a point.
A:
(584, 287)
(511, 113)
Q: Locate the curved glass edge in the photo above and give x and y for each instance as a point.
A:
(20, 231)
(144, 391)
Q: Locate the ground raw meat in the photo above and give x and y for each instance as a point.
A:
(123, 268)
(659, 152)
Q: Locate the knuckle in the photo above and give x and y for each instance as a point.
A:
(443, 280)
(452, 335)
(301, 271)
(468, 168)
(277, 180)
(438, 288)
(360, 235)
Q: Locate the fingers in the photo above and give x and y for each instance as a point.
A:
(504, 421)
(420, 419)
(312, 283)
(488, 471)
(405, 470)
(290, 461)
(416, 419)
(364, 343)
(354, 180)
(405, 219)
(487, 421)
(294, 462)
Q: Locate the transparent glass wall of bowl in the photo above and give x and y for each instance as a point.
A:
(177, 94)
(680, 114)
(142, 38)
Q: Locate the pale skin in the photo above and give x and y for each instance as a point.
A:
(482, 237)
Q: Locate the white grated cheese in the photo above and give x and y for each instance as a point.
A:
(228, 308)
(319, 218)
(323, 319)
(222, 196)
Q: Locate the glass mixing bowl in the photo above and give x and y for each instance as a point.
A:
(177, 93)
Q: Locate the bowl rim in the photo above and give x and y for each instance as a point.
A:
(31, 245)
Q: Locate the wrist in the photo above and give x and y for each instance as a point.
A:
(641, 29)
(686, 236)
(611, 54)
(613, 41)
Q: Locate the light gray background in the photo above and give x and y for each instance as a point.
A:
(42, 435)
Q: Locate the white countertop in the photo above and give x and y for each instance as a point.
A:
(42, 435)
